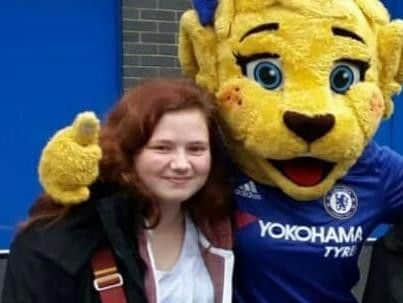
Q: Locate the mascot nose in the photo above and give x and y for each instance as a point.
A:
(308, 128)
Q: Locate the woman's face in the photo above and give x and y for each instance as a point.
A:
(175, 162)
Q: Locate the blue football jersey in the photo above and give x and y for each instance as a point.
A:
(289, 251)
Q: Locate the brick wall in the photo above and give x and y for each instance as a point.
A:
(150, 38)
(3, 263)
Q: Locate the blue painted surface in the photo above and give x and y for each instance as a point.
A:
(390, 131)
(61, 57)
(56, 58)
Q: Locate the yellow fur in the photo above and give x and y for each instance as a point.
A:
(252, 117)
(69, 162)
(200, 63)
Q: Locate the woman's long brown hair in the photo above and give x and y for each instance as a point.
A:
(128, 128)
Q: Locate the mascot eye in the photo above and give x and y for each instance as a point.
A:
(343, 76)
(267, 72)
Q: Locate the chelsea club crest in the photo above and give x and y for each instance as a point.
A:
(341, 202)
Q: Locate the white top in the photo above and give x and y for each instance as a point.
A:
(188, 281)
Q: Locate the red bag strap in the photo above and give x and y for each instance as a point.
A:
(107, 279)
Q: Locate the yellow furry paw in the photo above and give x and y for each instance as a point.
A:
(69, 162)
(68, 196)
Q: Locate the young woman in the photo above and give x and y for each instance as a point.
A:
(159, 205)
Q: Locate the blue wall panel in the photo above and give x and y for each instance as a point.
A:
(61, 57)
(390, 131)
(396, 10)
(56, 58)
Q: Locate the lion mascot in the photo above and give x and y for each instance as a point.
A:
(301, 87)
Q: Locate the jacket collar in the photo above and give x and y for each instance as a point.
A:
(71, 241)
(121, 227)
(219, 233)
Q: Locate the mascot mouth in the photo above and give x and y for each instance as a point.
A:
(304, 171)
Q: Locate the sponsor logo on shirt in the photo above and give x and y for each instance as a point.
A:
(338, 241)
(341, 202)
(248, 190)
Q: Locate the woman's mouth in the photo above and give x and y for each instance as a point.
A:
(304, 171)
(178, 180)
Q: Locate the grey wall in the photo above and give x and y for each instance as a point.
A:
(2, 270)
(364, 262)
(150, 38)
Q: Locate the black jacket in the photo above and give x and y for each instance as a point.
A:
(51, 264)
(385, 277)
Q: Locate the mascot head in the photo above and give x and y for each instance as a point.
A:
(301, 85)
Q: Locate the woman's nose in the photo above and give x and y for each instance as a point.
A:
(180, 161)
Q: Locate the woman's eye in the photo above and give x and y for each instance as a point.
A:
(197, 149)
(267, 72)
(343, 76)
(160, 148)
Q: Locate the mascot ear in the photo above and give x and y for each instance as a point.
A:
(390, 45)
(197, 48)
(205, 10)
